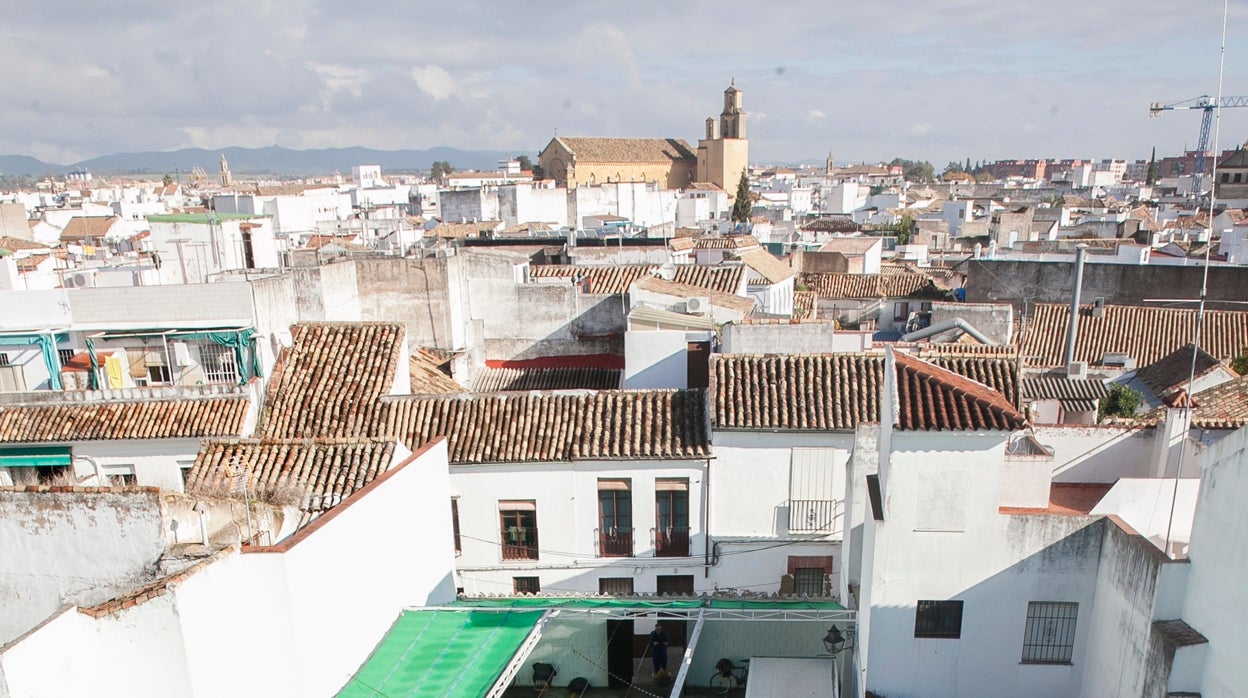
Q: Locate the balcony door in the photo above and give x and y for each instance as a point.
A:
(615, 518)
(671, 526)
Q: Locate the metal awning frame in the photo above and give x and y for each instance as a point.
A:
(708, 613)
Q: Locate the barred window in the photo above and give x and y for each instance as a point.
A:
(217, 362)
(808, 581)
(938, 619)
(1050, 634)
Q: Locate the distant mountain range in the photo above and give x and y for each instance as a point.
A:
(272, 160)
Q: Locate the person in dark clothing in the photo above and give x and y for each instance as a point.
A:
(658, 649)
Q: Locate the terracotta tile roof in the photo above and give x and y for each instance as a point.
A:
(32, 263)
(1068, 499)
(616, 278)
(741, 304)
(82, 228)
(598, 278)
(1223, 406)
(726, 242)
(831, 224)
(327, 384)
(110, 420)
(822, 392)
(493, 380)
(316, 242)
(724, 279)
(313, 475)
(851, 246)
(869, 286)
(681, 244)
(1172, 370)
(1056, 388)
(766, 265)
(464, 230)
(641, 150)
(931, 398)
(805, 304)
(543, 427)
(427, 376)
(1144, 333)
(13, 244)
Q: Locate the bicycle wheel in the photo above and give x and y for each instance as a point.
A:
(721, 682)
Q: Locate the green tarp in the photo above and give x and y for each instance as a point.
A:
(47, 347)
(442, 653)
(577, 603)
(34, 456)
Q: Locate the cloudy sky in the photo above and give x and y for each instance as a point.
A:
(941, 80)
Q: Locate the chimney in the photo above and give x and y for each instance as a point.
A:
(1072, 331)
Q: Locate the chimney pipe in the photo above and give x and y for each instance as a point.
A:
(1072, 331)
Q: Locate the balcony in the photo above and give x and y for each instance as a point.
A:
(673, 542)
(615, 544)
(814, 515)
(519, 543)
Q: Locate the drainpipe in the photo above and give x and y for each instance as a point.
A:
(1072, 331)
(706, 521)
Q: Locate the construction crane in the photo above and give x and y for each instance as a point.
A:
(1208, 104)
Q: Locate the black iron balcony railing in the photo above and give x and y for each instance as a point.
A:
(519, 543)
(615, 543)
(671, 542)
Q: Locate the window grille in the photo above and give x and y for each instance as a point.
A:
(4, 359)
(808, 581)
(938, 619)
(64, 355)
(1050, 634)
(217, 363)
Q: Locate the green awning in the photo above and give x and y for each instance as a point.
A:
(442, 653)
(775, 605)
(34, 456)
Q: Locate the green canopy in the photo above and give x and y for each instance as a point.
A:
(47, 347)
(34, 456)
(455, 654)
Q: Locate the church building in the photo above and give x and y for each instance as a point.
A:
(719, 159)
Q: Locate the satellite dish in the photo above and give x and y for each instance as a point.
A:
(667, 272)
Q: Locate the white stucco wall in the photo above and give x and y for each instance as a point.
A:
(656, 358)
(944, 538)
(1097, 453)
(72, 547)
(566, 496)
(1215, 605)
(137, 652)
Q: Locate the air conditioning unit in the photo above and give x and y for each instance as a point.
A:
(698, 305)
(1078, 370)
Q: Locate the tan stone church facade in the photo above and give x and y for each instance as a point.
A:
(719, 159)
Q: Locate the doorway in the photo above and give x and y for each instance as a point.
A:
(698, 364)
(619, 652)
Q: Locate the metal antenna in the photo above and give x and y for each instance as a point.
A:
(1204, 288)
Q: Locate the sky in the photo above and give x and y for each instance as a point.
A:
(942, 81)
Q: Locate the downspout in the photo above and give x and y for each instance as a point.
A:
(706, 521)
(1072, 330)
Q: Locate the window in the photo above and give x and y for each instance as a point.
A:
(158, 374)
(615, 586)
(4, 359)
(518, 521)
(1226, 178)
(64, 355)
(808, 581)
(525, 585)
(217, 363)
(615, 518)
(459, 549)
(1239, 177)
(901, 310)
(674, 584)
(939, 619)
(1050, 634)
(671, 526)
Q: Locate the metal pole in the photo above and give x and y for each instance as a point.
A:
(1072, 330)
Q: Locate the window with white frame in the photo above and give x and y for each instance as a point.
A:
(1049, 637)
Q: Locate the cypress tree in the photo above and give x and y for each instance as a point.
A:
(744, 204)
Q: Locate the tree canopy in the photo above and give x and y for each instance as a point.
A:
(1121, 402)
(915, 170)
(440, 170)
